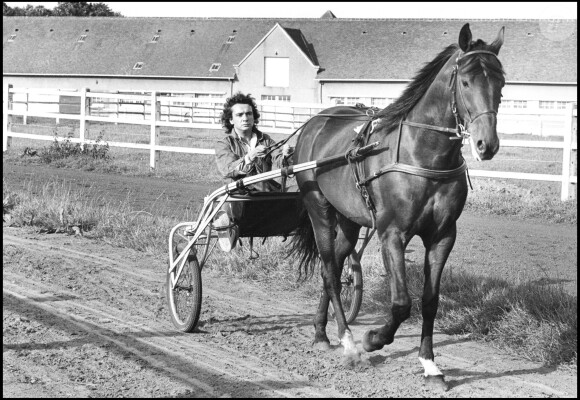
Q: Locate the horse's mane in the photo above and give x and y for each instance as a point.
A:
(395, 112)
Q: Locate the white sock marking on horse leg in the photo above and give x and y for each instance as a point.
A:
(347, 342)
(430, 367)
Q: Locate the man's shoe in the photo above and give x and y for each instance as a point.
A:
(226, 230)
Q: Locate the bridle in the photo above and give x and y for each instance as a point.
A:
(460, 130)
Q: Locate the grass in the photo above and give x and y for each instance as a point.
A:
(529, 320)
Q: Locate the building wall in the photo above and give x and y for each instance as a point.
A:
(121, 84)
(302, 86)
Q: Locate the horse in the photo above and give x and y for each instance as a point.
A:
(414, 182)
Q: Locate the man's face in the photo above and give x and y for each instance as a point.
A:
(242, 118)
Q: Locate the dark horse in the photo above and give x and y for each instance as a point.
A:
(413, 183)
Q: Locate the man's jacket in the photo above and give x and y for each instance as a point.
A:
(230, 152)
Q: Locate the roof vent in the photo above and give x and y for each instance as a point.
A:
(404, 32)
(530, 34)
(138, 65)
(214, 67)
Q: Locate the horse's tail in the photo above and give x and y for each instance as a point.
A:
(303, 245)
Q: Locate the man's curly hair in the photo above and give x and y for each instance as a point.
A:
(237, 98)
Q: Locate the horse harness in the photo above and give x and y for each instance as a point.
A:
(356, 162)
(362, 139)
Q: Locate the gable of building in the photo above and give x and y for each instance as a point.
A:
(345, 49)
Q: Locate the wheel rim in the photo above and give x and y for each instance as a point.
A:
(182, 296)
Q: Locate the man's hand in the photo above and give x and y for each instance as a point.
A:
(286, 150)
(258, 151)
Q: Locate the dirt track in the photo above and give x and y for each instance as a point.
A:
(84, 319)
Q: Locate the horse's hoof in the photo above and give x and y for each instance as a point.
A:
(367, 341)
(436, 383)
(321, 346)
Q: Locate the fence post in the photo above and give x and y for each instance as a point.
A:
(7, 128)
(568, 190)
(84, 111)
(25, 117)
(155, 116)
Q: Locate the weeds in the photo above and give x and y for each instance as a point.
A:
(65, 149)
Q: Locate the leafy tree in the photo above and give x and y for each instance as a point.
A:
(63, 9)
(83, 9)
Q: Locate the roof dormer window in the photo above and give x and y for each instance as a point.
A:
(138, 65)
(82, 38)
(214, 67)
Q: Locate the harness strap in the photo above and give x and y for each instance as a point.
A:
(431, 127)
(418, 171)
(357, 166)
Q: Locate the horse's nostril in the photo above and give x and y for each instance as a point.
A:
(481, 146)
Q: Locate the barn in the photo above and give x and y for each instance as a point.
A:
(318, 60)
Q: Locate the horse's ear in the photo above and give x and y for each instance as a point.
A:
(465, 38)
(498, 42)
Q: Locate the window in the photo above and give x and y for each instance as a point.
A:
(276, 72)
(11, 38)
(82, 38)
(552, 105)
(276, 97)
(138, 65)
(214, 67)
(155, 39)
(520, 104)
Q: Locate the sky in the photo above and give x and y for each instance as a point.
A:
(467, 10)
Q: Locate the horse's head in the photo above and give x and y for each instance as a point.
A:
(478, 80)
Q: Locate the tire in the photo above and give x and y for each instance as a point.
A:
(352, 289)
(185, 300)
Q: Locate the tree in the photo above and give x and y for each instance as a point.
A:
(83, 9)
(63, 9)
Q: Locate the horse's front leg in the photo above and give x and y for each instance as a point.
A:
(436, 253)
(392, 249)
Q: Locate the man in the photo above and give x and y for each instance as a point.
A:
(241, 153)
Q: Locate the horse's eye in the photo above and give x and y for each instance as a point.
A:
(465, 83)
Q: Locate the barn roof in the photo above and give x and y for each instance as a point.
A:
(345, 49)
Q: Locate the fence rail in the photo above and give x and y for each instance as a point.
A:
(188, 111)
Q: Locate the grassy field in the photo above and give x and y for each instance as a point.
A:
(537, 322)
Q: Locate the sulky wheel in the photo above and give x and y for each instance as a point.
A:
(352, 288)
(185, 299)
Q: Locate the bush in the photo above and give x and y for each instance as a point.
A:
(64, 149)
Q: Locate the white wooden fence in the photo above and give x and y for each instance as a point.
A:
(205, 113)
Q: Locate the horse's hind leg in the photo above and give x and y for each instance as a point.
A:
(344, 244)
(333, 247)
(436, 253)
(392, 249)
